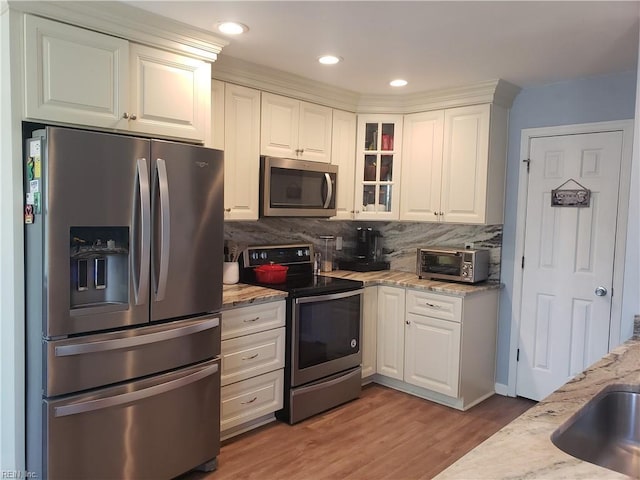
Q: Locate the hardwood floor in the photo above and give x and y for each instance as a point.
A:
(385, 434)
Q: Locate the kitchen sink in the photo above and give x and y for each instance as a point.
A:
(606, 431)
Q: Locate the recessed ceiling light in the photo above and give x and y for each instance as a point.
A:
(329, 59)
(398, 83)
(232, 28)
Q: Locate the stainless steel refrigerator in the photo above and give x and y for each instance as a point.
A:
(124, 287)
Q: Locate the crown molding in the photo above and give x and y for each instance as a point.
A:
(131, 23)
(233, 70)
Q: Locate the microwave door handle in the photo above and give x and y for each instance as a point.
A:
(141, 284)
(165, 229)
(327, 202)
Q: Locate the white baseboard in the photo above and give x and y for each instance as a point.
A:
(502, 389)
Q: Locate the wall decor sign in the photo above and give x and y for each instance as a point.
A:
(565, 197)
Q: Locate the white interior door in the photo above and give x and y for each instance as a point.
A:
(568, 255)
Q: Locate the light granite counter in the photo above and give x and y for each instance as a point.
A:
(396, 278)
(523, 449)
(241, 294)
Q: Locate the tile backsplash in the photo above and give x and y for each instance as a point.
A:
(401, 239)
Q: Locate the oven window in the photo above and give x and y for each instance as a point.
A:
(445, 264)
(299, 188)
(328, 330)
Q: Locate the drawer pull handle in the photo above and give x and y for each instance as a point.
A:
(433, 305)
(250, 401)
(251, 357)
(249, 320)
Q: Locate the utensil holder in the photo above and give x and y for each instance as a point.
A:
(230, 273)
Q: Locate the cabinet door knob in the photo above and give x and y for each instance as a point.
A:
(134, 116)
(435, 213)
(227, 210)
(407, 322)
(125, 115)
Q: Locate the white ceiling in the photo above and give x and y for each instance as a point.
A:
(430, 44)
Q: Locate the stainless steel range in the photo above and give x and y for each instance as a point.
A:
(324, 325)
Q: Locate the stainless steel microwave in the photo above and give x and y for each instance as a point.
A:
(458, 265)
(297, 188)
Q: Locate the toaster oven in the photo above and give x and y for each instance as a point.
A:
(453, 264)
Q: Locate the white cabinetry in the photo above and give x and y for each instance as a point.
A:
(390, 332)
(294, 129)
(378, 167)
(78, 76)
(439, 347)
(252, 372)
(343, 154)
(454, 165)
(369, 329)
(241, 152)
(217, 114)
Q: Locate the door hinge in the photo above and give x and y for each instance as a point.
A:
(528, 162)
(523, 261)
(518, 356)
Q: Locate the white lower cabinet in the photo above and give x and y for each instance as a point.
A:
(436, 346)
(369, 328)
(253, 352)
(390, 355)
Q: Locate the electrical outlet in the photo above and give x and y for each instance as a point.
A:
(468, 245)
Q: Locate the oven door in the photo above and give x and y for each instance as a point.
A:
(442, 265)
(325, 335)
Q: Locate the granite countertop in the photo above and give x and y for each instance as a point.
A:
(411, 280)
(523, 449)
(241, 294)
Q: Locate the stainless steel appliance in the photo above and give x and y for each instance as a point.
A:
(368, 252)
(453, 264)
(297, 188)
(324, 325)
(123, 292)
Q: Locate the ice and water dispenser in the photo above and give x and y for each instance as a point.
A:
(99, 259)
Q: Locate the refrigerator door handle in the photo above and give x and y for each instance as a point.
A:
(141, 286)
(130, 342)
(165, 229)
(136, 396)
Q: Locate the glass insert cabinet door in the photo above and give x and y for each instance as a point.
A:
(378, 166)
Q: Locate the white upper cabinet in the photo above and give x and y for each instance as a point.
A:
(454, 165)
(343, 154)
(421, 166)
(170, 93)
(81, 77)
(74, 75)
(378, 161)
(241, 152)
(294, 129)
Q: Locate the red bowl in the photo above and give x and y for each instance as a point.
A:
(271, 273)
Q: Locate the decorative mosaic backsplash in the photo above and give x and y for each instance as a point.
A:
(400, 239)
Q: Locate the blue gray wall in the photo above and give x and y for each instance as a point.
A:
(587, 100)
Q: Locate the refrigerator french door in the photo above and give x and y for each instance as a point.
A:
(124, 287)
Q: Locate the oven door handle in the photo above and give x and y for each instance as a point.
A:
(331, 296)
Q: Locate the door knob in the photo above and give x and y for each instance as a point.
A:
(601, 291)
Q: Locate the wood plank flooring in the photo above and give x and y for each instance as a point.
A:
(385, 434)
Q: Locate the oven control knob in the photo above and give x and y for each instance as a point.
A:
(299, 253)
(306, 252)
(254, 255)
(263, 255)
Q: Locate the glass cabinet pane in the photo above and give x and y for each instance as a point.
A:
(369, 197)
(371, 136)
(387, 136)
(370, 168)
(386, 168)
(384, 199)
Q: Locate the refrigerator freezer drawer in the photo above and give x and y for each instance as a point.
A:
(93, 361)
(159, 427)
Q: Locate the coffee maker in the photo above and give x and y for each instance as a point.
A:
(367, 255)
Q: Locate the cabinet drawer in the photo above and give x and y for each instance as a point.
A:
(252, 319)
(250, 399)
(434, 305)
(251, 355)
